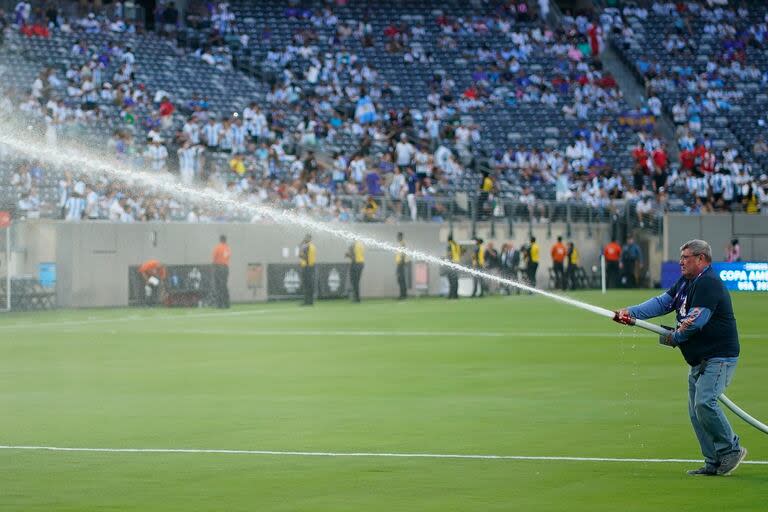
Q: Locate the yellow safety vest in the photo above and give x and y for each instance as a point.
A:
(534, 253)
(400, 257)
(574, 257)
(357, 253)
(479, 257)
(455, 250)
(308, 255)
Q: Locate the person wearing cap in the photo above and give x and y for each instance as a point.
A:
(307, 258)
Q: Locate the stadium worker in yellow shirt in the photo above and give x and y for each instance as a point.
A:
(573, 264)
(356, 262)
(533, 261)
(478, 262)
(454, 256)
(400, 262)
(307, 259)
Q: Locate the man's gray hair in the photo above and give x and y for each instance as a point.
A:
(698, 247)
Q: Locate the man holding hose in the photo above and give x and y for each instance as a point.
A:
(707, 337)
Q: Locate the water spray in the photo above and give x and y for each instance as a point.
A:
(166, 184)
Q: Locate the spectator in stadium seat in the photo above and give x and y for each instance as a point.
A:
(760, 148)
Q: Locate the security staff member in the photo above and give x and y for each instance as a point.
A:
(153, 274)
(400, 264)
(573, 264)
(478, 263)
(357, 261)
(307, 258)
(533, 261)
(454, 256)
(558, 253)
(612, 254)
(221, 255)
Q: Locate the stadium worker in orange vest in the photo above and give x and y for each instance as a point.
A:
(612, 253)
(558, 253)
(221, 255)
(153, 273)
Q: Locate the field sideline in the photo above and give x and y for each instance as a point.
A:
(363, 407)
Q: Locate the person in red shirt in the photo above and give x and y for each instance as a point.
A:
(708, 162)
(558, 253)
(687, 159)
(612, 253)
(153, 274)
(221, 255)
(641, 157)
(660, 158)
(166, 112)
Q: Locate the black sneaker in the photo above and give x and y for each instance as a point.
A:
(703, 471)
(730, 462)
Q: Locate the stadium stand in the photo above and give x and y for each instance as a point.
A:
(274, 101)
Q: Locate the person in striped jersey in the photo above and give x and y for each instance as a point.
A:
(238, 134)
(187, 162)
(226, 141)
(74, 207)
(212, 133)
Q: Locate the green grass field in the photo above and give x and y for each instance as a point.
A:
(498, 376)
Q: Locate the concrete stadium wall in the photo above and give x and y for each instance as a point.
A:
(718, 230)
(92, 259)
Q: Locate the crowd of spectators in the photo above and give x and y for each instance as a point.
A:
(708, 65)
(325, 140)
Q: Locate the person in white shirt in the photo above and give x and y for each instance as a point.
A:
(91, 204)
(192, 130)
(212, 133)
(357, 169)
(74, 207)
(187, 160)
(238, 133)
(404, 152)
(157, 154)
(127, 215)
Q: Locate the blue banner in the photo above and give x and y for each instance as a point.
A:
(747, 276)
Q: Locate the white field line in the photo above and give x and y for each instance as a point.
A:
(359, 454)
(352, 332)
(138, 317)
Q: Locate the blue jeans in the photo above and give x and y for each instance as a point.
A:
(706, 382)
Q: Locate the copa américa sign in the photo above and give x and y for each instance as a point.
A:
(747, 276)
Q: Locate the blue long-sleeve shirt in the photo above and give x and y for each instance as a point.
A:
(661, 305)
(706, 326)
